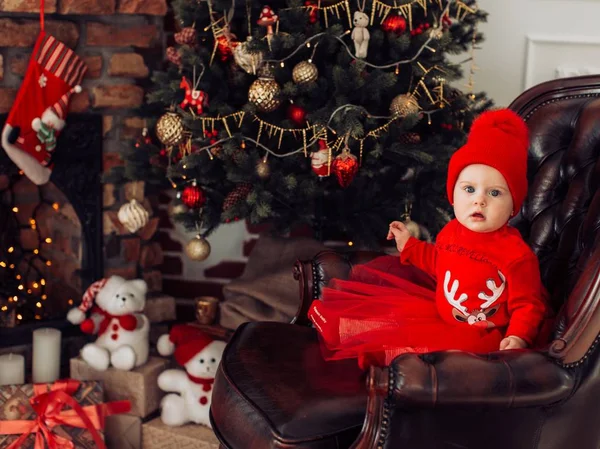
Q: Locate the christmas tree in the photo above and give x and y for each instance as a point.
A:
(327, 114)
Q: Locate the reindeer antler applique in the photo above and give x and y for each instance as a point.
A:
(477, 317)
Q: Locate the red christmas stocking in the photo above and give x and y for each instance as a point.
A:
(38, 113)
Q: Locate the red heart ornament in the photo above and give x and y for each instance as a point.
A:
(345, 167)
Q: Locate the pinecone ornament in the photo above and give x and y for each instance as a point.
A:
(173, 56)
(239, 193)
(410, 138)
(187, 36)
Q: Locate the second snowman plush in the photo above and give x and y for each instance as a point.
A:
(191, 389)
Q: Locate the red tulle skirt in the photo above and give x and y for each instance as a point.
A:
(386, 309)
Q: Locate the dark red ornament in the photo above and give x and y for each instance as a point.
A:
(226, 44)
(297, 114)
(144, 139)
(313, 11)
(345, 167)
(394, 23)
(193, 197)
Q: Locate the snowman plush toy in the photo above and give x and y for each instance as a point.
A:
(117, 318)
(191, 389)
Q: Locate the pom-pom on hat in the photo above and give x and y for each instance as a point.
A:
(186, 341)
(499, 139)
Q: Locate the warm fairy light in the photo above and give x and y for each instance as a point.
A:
(29, 291)
(18, 277)
(3, 264)
(48, 240)
(4, 308)
(11, 249)
(38, 317)
(12, 266)
(20, 287)
(36, 285)
(32, 222)
(15, 209)
(48, 263)
(43, 282)
(55, 206)
(44, 297)
(282, 64)
(350, 243)
(70, 302)
(21, 172)
(38, 305)
(19, 317)
(184, 166)
(36, 251)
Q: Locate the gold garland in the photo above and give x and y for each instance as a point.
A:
(334, 9)
(383, 9)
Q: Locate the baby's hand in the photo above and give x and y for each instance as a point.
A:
(399, 232)
(512, 342)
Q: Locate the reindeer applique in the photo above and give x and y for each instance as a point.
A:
(477, 317)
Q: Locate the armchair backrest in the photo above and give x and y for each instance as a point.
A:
(561, 214)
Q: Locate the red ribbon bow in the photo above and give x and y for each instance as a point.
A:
(48, 405)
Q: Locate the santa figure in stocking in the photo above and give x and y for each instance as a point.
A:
(38, 113)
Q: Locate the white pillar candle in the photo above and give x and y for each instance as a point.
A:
(46, 355)
(12, 369)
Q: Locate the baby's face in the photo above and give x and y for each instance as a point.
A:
(482, 200)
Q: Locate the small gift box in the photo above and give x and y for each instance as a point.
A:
(67, 414)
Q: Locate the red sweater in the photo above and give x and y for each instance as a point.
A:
(483, 279)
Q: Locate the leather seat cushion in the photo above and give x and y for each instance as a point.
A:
(317, 406)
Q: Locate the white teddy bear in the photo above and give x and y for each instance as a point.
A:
(360, 34)
(200, 356)
(123, 331)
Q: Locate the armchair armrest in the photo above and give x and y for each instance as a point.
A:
(313, 275)
(510, 379)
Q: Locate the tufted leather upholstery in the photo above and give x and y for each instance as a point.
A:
(509, 399)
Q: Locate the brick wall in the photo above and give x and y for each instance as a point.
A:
(121, 41)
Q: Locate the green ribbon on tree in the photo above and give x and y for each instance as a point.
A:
(46, 135)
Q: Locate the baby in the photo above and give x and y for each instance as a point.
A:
(487, 293)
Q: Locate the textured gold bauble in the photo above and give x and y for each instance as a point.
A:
(404, 105)
(305, 72)
(263, 170)
(169, 129)
(264, 93)
(198, 249)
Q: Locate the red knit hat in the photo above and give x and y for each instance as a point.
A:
(499, 139)
(188, 341)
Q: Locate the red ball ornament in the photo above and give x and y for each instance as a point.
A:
(313, 11)
(193, 197)
(345, 167)
(297, 114)
(394, 23)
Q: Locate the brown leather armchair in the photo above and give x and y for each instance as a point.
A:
(273, 389)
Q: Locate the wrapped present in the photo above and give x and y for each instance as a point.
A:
(160, 308)
(157, 435)
(123, 432)
(139, 385)
(65, 414)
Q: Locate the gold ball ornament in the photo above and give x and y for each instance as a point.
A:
(264, 94)
(133, 216)
(305, 72)
(169, 129)
(404, 105)
(198, 249)
(263, 170)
